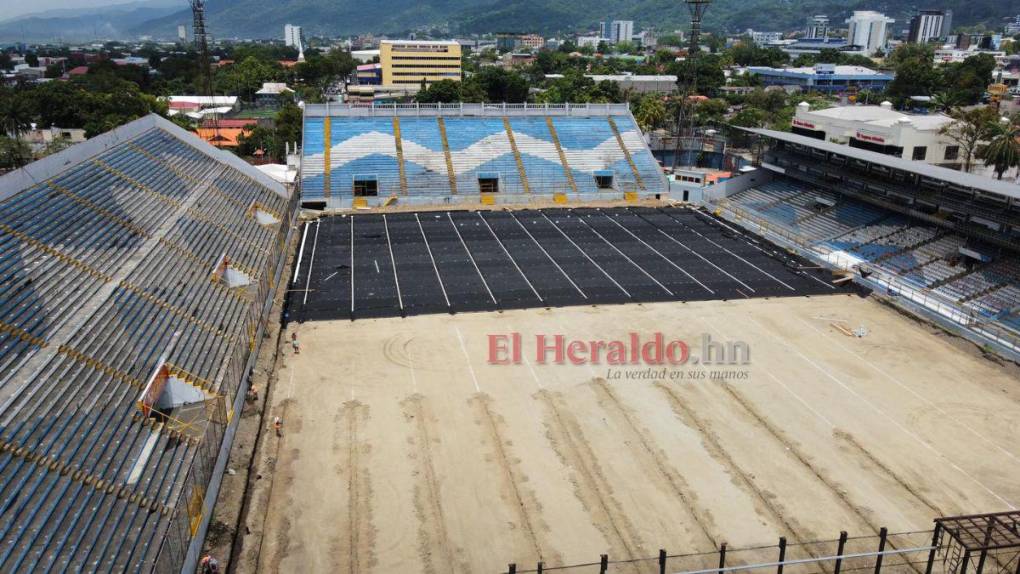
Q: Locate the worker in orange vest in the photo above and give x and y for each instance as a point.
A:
(278, 425)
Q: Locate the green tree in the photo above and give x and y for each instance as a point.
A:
(13, 153)
(968, 129)
(966, 81)
(711, 111)
(499, 85)
(650, 112)
(705, 71)
(1003, 149)
(15, 118)
(747, 53)
(443, 91)
(915, 72)
(245, 78)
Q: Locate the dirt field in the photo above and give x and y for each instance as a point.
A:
(404, 451)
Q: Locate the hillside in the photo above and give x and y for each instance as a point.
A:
(83, 24)
(265, 18)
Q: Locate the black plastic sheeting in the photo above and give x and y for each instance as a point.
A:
(456, 261)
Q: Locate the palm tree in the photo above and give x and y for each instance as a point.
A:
(1003, 149)
(15, 118)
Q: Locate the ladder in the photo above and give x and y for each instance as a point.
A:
(400, 155)
(626, 154)
(517, 154)
(449, 158)
(563, 155)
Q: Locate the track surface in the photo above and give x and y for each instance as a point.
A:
(405, 450)
(402, 264)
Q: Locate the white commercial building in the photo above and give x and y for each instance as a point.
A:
(292, 35)
(1013, 26)
(882, 129)
(818, 27)
(622, 31)
(869, 30)
(591, 41)
(929, 25)
(764, 38)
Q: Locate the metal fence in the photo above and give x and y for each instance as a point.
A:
(462, 109)
(892, 553)
(190, 511)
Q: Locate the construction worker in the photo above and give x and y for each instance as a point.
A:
(294, 343)
(253, 393)
(209, 565)
(278, 425)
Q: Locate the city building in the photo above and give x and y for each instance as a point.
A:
(270, 94)
(929, 25)
(365, 56)
(621, 31)
(869, 30)
(951, 55)
(817, 27)
(881, 129)
(369, 74)
(1013, 26)
(197, 107)
(292, 35)
(604, 29)
(409, 63)
(827, 78)
(511, 42)
(182, 33)
(764, 38)
(591, 41)
(38, 138)
(815, 45)
(641, 84)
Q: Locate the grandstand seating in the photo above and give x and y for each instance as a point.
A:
(101, 264)
(482, 143)
(918, 253)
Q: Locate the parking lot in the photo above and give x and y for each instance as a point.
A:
(413, 263)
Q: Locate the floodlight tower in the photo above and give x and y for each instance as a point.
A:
(697, 8)
(202, 45)
(689, 84)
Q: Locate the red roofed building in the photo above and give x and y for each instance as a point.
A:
(229, 123)
(78, 71)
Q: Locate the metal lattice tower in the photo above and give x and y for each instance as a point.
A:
(202, 45)
(689, 86)
(697, 8)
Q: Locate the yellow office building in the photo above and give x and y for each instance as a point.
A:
(408, 62)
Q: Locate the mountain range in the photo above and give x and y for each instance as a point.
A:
(265, 18)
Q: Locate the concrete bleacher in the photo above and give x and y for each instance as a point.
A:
(919, 254)
(421, 152)
(107, 251)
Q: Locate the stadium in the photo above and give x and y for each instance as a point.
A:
(847, 400)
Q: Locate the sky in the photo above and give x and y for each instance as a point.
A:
(14, 8)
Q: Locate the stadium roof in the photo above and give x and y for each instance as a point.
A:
(959, 178)
(111, 254)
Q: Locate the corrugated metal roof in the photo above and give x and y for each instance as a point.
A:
(954, 177)
(106, 253)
